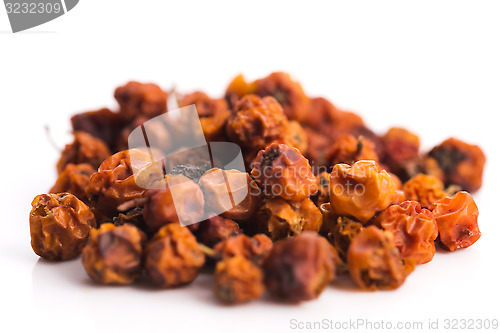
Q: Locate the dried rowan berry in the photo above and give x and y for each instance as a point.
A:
(247, 208)
(327, 119)
(399, 197)
(342, 233)
(299, 268)
(172, 257)
(256, 122)
(318, 144)
(216, 229)
(238, 280)
(59, 226)
(160, 209)
(214, 127)
(114, 184)
(280, 219)
(349, 149)
(295, 136)
(287, 92)
(282, 171)
(121, 140)
(252, 248)
(349, 122)
(189, 200)
(414, 230)
(113, 254)
(429, 166)
(411, 168)
(425, 189)
(332, 122)
(368, 134)
(74, 179)
(205, 105)
(84, 149)
(398, 185)
(322, 115)
(326, 124)
(238, 88)
(138, 99)
(158, 132)
(102, 124)
(360, 190)
(401, 149)
(456, 218)
(231, 193)
(401, 144)
(462, 163)
(374, 261)
(221, 188)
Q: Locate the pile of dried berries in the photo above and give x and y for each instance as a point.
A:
(327, 197)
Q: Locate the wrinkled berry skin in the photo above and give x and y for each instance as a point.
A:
(374, 261)
(287, 92)
(84, 149)
(242, 191)
(282, 171)
(456, 218)
(279, 85)
(425, 189)
(216, 229)
(360, 190)
(296, 137)
(341, 234)
(74, 179)
(298, 269)
(160, 208)
(214, 127)
(401, 148)
(59, 226)
(256, 122)
(461, 163)
(140, 99)
(103, 124)
(113, 254)
(280, 219)
(253, 248)
(205, 106)
(317, 146)
(327, 119)
(325, 125)
(237, 280)
(349, 149)
(414, 230)
(172, 257)
(114, 184)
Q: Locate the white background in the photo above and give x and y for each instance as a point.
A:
(431, 66)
